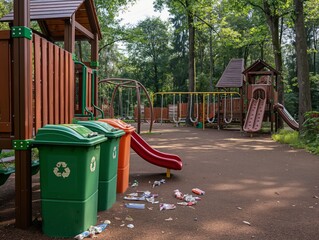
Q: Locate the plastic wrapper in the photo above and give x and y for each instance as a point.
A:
(167, 206)
(178, 194)
(135, 205)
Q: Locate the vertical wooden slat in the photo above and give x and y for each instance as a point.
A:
(44, 75)
(56, 84)
(71, 86)
(51, 83)
(67, 88)
(61, 86)
(5, 90)
(37, 82)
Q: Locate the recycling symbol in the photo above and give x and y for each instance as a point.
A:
(61, 169)
(93, 164)
(114, 152)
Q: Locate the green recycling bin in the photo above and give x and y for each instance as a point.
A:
(108, 162)
(69, 169)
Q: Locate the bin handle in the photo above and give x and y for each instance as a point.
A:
(92, 134)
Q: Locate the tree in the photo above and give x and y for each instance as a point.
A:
(149, 52)
(5, 7)
(302, 63)
(275, 11)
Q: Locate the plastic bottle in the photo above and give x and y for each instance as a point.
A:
(82, 235)
(198, 191)
(135, 205)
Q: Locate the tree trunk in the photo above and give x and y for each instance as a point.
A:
(211, 73)
(302, 63)
(191, 60)
(273, 24)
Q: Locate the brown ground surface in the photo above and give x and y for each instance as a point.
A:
(272, 186)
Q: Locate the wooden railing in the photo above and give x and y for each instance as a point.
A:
(85, 91)
(52, 86)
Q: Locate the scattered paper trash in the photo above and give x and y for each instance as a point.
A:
(191, 198)
(135, 184)
(169, 219)
(130, 225)
(167, 206)
(247, 223)
(158, 183)
(133, 198)
(93, 230)
(83, 235)
(178, 194)
(151, 200)
(186, 203)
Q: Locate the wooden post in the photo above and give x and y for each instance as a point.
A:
(22, 92)
(95, 60)
(69, 34)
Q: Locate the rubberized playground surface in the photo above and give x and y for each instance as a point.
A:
(255, 189)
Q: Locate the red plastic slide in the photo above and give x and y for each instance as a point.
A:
(144, 150)
(285, 115)
(255, 115)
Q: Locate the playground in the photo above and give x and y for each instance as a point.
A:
(255, 189)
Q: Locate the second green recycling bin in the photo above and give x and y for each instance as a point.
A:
(108, 162)
(69, 168)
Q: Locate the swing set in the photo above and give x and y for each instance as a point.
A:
(203, 107)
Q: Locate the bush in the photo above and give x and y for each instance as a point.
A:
(289, 137)
(310, 134)
(308, 139)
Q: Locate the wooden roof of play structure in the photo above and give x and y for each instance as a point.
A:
(52, 15)
(232, 76)
(259, 67)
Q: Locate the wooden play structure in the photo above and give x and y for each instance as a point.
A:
(245, 97)
(261, 95)
(39, 79)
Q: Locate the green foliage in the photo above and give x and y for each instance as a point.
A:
(5, 7)
(35, 154)
(308, 139)
(310, 132)
(149, 53)
(288, 137)
(7, 154)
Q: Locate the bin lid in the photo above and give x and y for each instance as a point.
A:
(102, 128)
(67, 134)
(128, 128)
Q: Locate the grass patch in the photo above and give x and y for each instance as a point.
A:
(292, 139)
(7, 154)
(35, 154)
